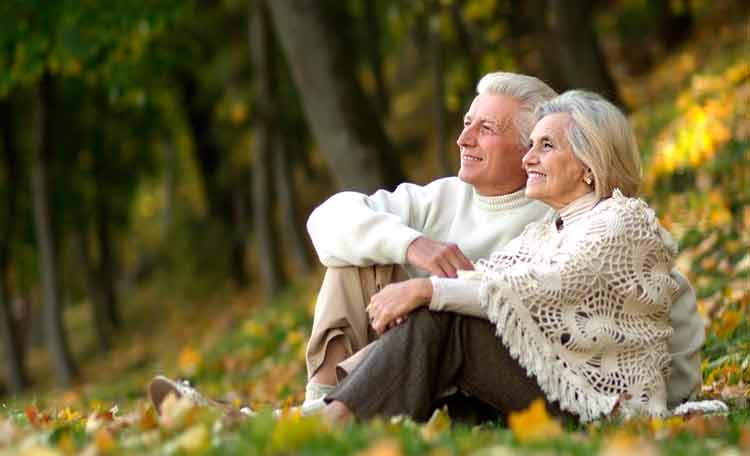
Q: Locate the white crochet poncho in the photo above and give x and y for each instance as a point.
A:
(586, 309)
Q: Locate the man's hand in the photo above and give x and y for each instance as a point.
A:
(395, 301)
(442, 259)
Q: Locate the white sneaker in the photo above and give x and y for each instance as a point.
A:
(160, 387)
(315, 391)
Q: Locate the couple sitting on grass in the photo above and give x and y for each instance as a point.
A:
(536, 273)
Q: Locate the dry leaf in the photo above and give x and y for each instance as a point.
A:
(439, 423)
(193, 439)
(534, 423)
(384, 447)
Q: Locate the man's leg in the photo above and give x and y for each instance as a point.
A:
(340, 326)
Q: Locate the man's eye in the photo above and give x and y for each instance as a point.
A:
(547, 145)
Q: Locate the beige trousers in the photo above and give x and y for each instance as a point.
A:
(340, 308)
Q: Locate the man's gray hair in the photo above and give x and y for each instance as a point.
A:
(602, 138)
(528, 90)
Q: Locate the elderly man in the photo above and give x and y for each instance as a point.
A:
(369, 241)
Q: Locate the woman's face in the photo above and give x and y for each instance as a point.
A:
(554, 174)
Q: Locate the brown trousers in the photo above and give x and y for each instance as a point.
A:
(411, 364)
(340, 308)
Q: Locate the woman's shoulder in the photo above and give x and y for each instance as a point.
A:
(630, 216)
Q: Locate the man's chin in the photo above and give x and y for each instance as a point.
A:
(466, 177)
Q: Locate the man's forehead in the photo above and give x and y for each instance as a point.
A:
(492, 107)
(497, 117)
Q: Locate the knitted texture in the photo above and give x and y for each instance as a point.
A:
(586, 309)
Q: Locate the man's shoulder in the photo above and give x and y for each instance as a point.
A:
(443, 189)
(451, 183)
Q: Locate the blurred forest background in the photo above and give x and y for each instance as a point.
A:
(158, 160)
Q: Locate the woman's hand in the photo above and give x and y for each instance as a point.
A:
(396, 300)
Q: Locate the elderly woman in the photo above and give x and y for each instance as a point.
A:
(575, 310)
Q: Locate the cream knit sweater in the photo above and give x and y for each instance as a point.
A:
(352, 229)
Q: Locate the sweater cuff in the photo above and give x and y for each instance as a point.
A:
(399, 243)
(436, 303)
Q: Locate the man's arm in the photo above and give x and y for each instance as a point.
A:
(386, 227)
(353, 229)
(685, 344)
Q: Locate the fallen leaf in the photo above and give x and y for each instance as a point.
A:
(534, 423)
(384, 447)
(193, 439)
(104, 441)
(439, 423)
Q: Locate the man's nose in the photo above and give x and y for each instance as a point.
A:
(467, 137)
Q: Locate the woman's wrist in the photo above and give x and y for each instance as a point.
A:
(424, 291)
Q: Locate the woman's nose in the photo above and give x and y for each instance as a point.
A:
(529, 157)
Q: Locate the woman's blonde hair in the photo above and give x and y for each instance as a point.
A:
(602, 138)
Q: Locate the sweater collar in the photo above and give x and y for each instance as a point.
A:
(501, 202)
(576, 209)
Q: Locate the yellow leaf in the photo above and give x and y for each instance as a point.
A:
(661, 428)
(189, 361)
(194, 439)
(534, 423)
(438, 424)
(104, 441)
(384, 447)
(293, 430)
(623, 443)
(68, 415)
(730, 319)
(37, 450)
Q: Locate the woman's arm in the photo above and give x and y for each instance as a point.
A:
(440, 294)
(456, 295)
(397, 300)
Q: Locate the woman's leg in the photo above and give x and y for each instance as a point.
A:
(415, 362)
(491, 374)
(409, 366)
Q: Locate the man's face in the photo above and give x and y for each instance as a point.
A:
(489, 146)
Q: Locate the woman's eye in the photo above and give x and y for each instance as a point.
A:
(547, 145)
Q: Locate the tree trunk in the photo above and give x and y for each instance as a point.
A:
(209, 160)
(537, 55)
(16, 377)
(52, 307)
(170, 182)
(674, 27)
(106, 269)
(262, 52)
(580, 56)
(346, 127)
(239, 234)
(438, 95)
(290, 220)
(470, 54)
(374, 55)
(207, 155)
(102, 323)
